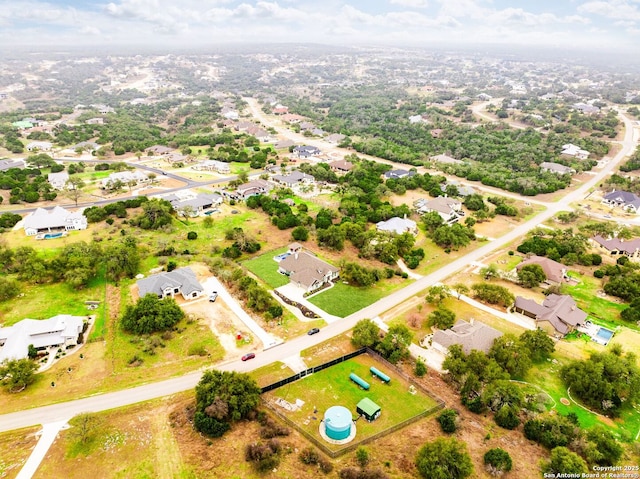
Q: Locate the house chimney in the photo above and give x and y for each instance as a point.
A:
(471, 320)
(295, 255)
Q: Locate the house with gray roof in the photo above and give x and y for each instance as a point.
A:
(399, 173)
(575, 151)
(306, 270)
(449, 209)
(619, 246)
(181, 281)
(306, 151)
(556, 168)
(252, 188)
(8, 164)
(58, 180)
(55, 220)
(398, 226)
(558, 313)
(39, 146)
(469, 335)
(196, 205)
(213, 165)
(335, 138)
(294, 178)
(60, 331)
(622, 199)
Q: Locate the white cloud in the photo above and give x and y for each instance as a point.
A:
(410, 3)
(616, 9)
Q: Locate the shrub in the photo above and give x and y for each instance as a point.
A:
(507, 417)
(421, 368)
(309, 456)
(448, 419)
(497, 461)
(362, 456)
(192, 235)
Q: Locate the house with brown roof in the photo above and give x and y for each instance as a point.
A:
(558, 313)
(469, 335)
(449, 209)
(341, 166)
(306, 270)
(555, 272)
(619, 246)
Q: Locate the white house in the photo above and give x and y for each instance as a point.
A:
(39, 146)
(213, 165)
(398, 226)
(449, 209)
(294, 178)
(556, 168)
(572, 150)
(181, 281)
(58, 180)
(125, 177)
(56, 220)
(59, 331)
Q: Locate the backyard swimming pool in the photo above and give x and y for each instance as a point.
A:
(52, 235)
(603, 336)
(280, 257)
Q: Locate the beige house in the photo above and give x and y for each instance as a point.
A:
(469, 335)
(558, 313)
(306, 270)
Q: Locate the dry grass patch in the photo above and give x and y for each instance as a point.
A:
(15, 449)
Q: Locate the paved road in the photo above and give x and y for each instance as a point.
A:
(57, 412)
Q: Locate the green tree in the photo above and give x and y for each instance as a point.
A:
(156, 213)
(17, 374)
(9, 288)
(563, 461)
(497, 461)
(604, 381)
(607, 450)
(223, 397)
(394, 346)
(539, 344)
(73, 188)
(362, 456)
(366, 333)
(437, 294)
(531, 275)
(511, 355)
(444, 458)
(151, 314)
(442, 318)
(461, 289)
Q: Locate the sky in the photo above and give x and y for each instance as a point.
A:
(570, 24)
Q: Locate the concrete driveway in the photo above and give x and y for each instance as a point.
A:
(268, 341)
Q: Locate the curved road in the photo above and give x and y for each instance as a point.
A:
(56, 412)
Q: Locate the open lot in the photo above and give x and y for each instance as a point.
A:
(332, 387)
(15, 448)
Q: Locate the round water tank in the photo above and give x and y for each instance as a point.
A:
(337, 422)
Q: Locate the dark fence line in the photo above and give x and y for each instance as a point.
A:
(354, 445)
(315, 369)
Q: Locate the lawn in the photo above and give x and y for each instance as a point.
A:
(342, 300)
(45, 301)
(332, 386)
(547, 376)
(586, 295)
(266, 268)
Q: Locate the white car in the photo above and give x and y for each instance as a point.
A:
(213, 296)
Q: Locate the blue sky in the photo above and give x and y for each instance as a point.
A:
(597, 24)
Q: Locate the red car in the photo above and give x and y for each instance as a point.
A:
(248, 356)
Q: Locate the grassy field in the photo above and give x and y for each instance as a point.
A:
(585, 294)
(343, 300)
(332, 387)
(265, 268)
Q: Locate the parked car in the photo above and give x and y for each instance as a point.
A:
(313, 331)
(248, 356)
(213, 296)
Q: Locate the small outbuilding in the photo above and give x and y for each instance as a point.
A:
(337, 422)
(368, 409)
